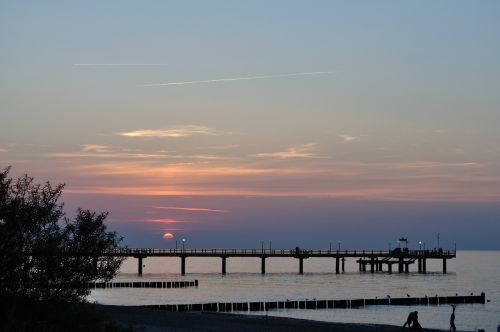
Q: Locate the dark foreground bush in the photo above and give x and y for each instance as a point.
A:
(25, 315)
(43, 254)
(48, 259)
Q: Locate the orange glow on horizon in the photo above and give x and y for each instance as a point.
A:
(168, 236)
(164, 220)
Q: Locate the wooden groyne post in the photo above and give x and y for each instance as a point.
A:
(144, 284)
(319, 304)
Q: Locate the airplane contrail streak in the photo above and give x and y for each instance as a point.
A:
(248, 78)
(116, 64)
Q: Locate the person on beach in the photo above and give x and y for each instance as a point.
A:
(452, 319)
(415, 324)
(409, 320)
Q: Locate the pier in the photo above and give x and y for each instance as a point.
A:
(375, 259)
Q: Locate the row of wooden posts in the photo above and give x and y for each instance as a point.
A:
(144, 284)
(318, 304)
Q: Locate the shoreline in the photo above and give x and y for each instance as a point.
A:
(154, 320)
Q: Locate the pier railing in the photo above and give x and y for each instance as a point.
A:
(278, 252)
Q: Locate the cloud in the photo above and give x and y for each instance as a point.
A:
(346, 138)
(117, 64)
(189, 209)
(95, 148)
(219, 147)
(104, 151)
(107, 154)
(178, 131)
(436, 164)
(3, 150)
(164, 221)
(300, 151)
(247, 78)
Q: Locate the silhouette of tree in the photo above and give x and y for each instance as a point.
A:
(38, 243)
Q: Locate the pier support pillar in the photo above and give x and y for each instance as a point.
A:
(400, 265)
(337, 265)
(343, 264)
(223, 265)
(263, 265)
(444, 265)
(139, 266)
(380, 267)
(424, 266)
(389, 268)
(183, 265)
(372, 265)
(301, 265)
(407, 268)
(419, 265)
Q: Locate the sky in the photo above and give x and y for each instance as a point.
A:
(231, 123)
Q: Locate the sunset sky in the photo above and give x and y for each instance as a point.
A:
(228, 123)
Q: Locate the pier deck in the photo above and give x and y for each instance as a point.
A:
(375, 258)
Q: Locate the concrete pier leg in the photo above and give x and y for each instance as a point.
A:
(407, 268)
(183, 265)
(263, 265)
(424, 266)
(389, 267)
(380, 267)
(444, 265)
(301, 266)
(419, 265)
(223, 265)
(372, 265)
(139, 266)
(343, 264)
(337, 265)
(400, 265)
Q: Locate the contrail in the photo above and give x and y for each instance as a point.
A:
(248, 78)
(117, 64)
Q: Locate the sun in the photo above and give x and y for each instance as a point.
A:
(168, 236)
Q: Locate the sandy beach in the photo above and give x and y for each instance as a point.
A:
(153, 320)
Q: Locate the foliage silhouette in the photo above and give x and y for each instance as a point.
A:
(38, 244)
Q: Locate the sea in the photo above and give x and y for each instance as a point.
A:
(470, 272)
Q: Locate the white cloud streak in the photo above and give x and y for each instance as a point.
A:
(95, 148)
(179, 131)
(219, 147)
(247, 78)
(300, 151)
(347, 138)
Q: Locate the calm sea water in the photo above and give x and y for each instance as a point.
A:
(471, 271)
